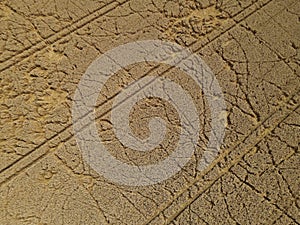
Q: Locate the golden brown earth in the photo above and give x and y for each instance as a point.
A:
(253, 48)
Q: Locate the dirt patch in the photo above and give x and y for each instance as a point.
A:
(252, 48)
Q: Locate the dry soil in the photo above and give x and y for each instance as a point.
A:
(253, 48)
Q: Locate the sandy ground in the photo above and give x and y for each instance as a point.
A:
(252, 47)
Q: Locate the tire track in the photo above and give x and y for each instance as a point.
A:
(244, 146)
(228, 151)
(44, 149)
(14, 169)
(27, 52)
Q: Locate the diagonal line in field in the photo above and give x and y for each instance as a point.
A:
(208, 187)
(69, 29)
(226, 152)
(243, 149)
(13, 170)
